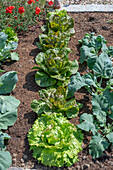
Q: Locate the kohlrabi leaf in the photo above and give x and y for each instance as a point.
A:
(8, 81)
(8, 111)
(97, 145)
(76, 82)
(87, 123)
(3, 38)
(100, 106)
(103, 66)
(110, 137)
(14, 56)
(109, 96)
(111, 114)
(5, 160)
(89, 80)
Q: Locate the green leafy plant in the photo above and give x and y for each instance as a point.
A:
(91, 48)
(102, 70)
(53, 40)
(55, 100)
(8, 114)
(55, 141)
(59, 21)
(8, 42)
(100, 124)
(54, 67)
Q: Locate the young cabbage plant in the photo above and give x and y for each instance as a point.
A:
(54, 67)
(55, 141)
(100, 124)
(92, 47)
(59, 21)
(55, 100)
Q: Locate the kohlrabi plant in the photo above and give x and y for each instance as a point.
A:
(55, 141)
(54, 67)
(8, 114)
(100, 123)
(92, 48)
(55, 100)
(102, 70)
(8, 43)
(59, 21)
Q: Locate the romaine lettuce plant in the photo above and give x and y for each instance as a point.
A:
(59, 21)
(53, 40)
(8, 42)
(55, 141)
(54, 67)
(91, 48)
(8, 114)
(55, 100)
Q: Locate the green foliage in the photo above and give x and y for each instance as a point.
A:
(53, 40)
(8, 82)
(54, 100)
(59, 21)
(55, 141)
(54, 67)
(8, 114)
(8, 42)
(91, 48)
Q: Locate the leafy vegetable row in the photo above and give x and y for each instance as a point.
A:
(99, 84)
(8, 114)
(53, 139)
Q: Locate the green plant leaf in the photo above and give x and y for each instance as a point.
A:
(14, 56)
(100, 106)
(5, 160)
(3, 136)
(44, 80)
(109, 96)
(3, 38)
(97, 145)
(8, 111)
(103, 66)
(110, 137)
(8, 81)
(87, 123)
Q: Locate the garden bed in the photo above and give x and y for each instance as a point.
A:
(26, 90)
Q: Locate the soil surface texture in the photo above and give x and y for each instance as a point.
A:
(26, 90)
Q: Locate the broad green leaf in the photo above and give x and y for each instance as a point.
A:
(111, 114)
(109, 96)
(75, 84)
(89, 80)
(44, 80)
(110, 137)
(14, 56)
(38, 106)
(97, 145)
(87, 123)
(103, 66)
(5, 160)
(73, 66)
(85, 51)
(8, 81)
(100, 106)
(3, 38)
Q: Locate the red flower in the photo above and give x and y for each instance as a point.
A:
(9, 25)
(21, 10)
(50, 3)
(9, 9)
(38, 10)
(36, 0)
(15, 17)
(30, 1)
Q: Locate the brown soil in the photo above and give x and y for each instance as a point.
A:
(26, 90)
